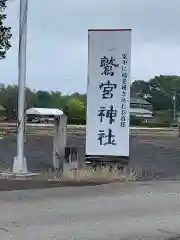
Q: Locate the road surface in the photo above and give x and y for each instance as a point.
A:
(132, 211)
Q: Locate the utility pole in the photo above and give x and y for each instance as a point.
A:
(20, 165)
(174, 105)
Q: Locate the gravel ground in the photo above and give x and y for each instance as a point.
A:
(159, 154)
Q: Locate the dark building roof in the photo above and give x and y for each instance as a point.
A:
(139, 101)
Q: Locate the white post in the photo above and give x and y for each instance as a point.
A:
(56, 143)
(20, 165)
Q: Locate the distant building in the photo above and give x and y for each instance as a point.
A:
(140, 108)
(2, 113)
(42, 115)
(140, 103)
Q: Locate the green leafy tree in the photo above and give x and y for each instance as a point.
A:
(55, 101)
(8, 98)
(159, 91)
(162, 90)
(5, 32)
(80, 97)
(43, 99)
(31, 98)
(164, 116)
(139, 88)
(76, 111)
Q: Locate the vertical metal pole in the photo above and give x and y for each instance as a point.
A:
(20, 165)
(174, 106)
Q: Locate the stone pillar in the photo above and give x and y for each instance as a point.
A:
(59, 141)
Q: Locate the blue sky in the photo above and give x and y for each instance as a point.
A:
(57, 39)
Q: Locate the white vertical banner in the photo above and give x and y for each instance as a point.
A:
(108, 92)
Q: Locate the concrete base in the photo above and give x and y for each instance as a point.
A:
(11, 175)
(19, 167)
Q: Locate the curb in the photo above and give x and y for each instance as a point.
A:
(14, 185)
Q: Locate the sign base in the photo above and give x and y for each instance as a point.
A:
(119, 161)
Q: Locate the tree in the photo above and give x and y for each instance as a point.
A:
(159, 91)
(162, 90)
(8, 98)
(55, 101)
(5, 32)
(43, 99)
(139, 88)
(165, 116)
(76, 111)
(80, 97)
(31, 98)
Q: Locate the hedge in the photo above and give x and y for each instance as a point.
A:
(133, 122)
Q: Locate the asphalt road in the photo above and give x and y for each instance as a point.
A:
(157, 153)
(132, 211)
